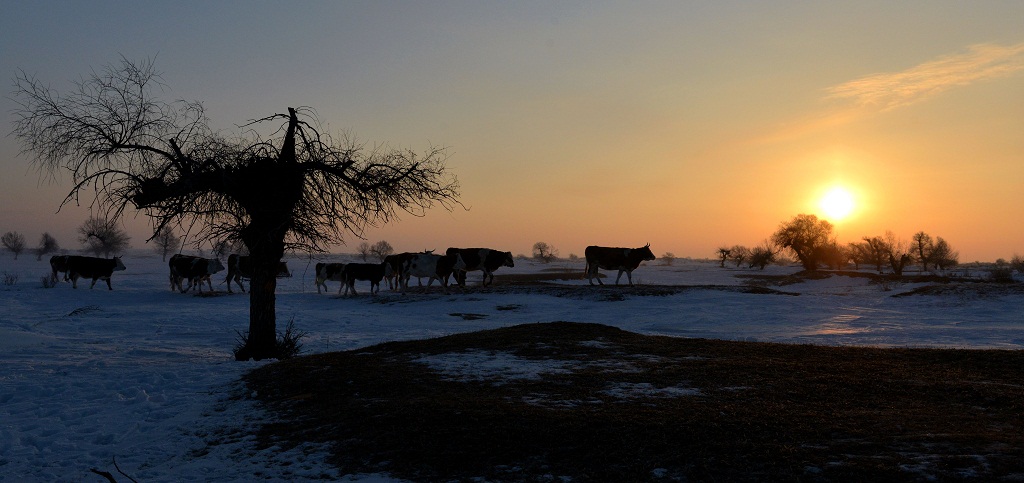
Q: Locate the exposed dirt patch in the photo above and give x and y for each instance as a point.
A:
(538, 402)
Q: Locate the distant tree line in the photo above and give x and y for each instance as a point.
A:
(814, 245)
(97, 236)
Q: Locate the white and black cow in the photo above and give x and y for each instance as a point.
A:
(484, 259)
(614, 258)
(59, 264)
(371, 272)
(94, 268)
(239, 267)
(397, 263)
(329, 271)
(438, 267)
(193, 269)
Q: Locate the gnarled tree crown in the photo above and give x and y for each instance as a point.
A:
(129, 149)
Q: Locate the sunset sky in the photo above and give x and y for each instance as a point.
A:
(686, 125)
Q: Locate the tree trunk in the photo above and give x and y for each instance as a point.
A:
(262, 341)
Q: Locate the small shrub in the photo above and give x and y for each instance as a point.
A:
(10, 278)
(49, 281)
(288, 344)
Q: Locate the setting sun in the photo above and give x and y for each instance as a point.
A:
(837, 204)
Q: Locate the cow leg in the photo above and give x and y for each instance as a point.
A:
(109, 287)
(93, 284)
(629, 275)
(74, 281)
(617, 277)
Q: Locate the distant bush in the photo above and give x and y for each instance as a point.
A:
(10, 278)
(1001, 272)
(1017, 263)
(49, 281)
(668, 258)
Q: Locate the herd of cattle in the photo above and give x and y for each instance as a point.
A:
(396, 269)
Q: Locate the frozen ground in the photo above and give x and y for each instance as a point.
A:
(146, 375)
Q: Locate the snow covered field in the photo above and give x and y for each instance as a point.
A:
(146, 375)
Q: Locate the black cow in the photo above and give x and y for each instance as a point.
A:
(94, 268)
(239, 267)
(58, 264)
(329, 271)
(484, 259)
(193, 269)
(371, 272)
(621, 259)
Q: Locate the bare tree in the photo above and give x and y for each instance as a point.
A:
(166, 242)
(363, 250)
(544, 252)
(723, 254)
(102, 237)
(13, 241)
(47, 245)
(222, 247)
(381, 249)
(739, 254)
(875, 252)
(833, 255)
(899, 253)
(922, 244)
(942, 255)
(762, 255)
(805, 236)
(280, 183)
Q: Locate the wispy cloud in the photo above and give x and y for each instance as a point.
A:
(891, 90)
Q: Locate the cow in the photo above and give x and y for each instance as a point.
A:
(329, 271)
(94, 268)
(484, 259)
(193, 269)
(397, 263)
(432, 266)
(621, 259)
(239, 267)
(58, 264)
(371, 272)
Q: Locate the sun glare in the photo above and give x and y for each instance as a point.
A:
(837, 204)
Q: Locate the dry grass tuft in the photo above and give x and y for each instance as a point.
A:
(609, 405)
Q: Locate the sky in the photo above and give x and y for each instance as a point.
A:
(686, 125)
